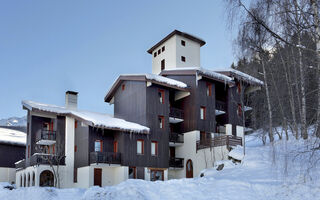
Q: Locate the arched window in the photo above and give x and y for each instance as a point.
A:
(33, 179)
(21, 181)
(24, 180)
(46, 179)
(28, 179)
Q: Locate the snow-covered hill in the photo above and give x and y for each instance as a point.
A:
(14, 121)
(280, 171)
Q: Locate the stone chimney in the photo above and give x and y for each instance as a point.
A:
(72, 100)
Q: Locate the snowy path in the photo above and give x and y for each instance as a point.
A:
(256, 178)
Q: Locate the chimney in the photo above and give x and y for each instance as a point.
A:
(72, 100)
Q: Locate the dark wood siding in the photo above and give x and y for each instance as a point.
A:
(9, 154)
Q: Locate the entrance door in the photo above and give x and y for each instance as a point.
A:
(97, 177)
(189, 169)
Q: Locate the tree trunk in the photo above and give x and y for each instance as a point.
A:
(268, 101)
(317, 40)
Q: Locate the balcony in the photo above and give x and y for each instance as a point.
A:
(47, 137)
(176, 115)
(105, 158)
(176, 139)
(176, 163)
(224, 140)
(21, 164)
(221, 107)
(46, 159)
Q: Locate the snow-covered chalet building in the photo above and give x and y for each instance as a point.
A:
(170, 124)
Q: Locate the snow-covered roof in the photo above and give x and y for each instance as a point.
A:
(153, 78)
(92, 118)
(10, 136)
(204, 72)
(161, 79)
(242, 76)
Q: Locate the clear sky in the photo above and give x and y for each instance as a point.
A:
(49, 47)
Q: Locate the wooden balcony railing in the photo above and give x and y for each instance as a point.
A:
(220, 105)
(176, 137)
(176, 162)
(20, 164)
(105, 157)
(228, 140)
(176, 113)
(46, 159)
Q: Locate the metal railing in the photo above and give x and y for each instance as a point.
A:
(176, 162)
(220, 105)
(176, 113)
(176, 137)
(105, 157)
(47, 159)
(228, 140)
(20, 164)
(48, 135)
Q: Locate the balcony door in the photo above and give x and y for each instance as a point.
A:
(189, 169)
(97, 177)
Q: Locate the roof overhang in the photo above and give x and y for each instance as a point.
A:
(176, 32)
(109, 96)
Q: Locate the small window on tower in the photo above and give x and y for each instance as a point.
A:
(159, 51)
(183, 59)
(183, 43)
(209, 87)
(163, 48)
(162, 64)
(123, 87)
(155, 54)
(202, 112)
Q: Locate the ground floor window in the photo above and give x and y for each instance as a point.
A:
(157, 175)
(132, 172)
(46, 179)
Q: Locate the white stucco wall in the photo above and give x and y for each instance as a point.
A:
(240, 133)
(173, 52)
(69, 153)
(7, 174)
(169, 55)
(228, 129)
(201, 159)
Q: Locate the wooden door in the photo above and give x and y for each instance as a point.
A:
(97, 177)
(189, 169)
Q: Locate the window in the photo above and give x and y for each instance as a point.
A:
(239, 111)
(98, 146)
(75, 124)
(183, 59)
(163, 48)
(123, 87)
(115, 146)
(159, 51)
(157, 175)
(162, 65)
(183, 43)
(161, 96)
(154, 148)
(209, 89)
(140, 146)
(155, 54)
(239, 87)
(132, 172)
(202, 112)
(161, 122)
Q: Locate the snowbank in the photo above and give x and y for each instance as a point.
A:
(258, 177)
(237, 153)
(12, 136)
(92, 118)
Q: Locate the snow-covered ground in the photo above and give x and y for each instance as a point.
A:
(266, 173)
